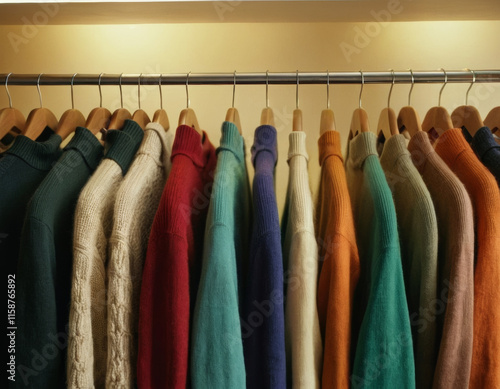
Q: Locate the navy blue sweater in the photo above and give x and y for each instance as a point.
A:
(263, 322)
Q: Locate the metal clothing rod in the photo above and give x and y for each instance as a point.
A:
(399, 77)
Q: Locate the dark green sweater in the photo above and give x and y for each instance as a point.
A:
(45, 264)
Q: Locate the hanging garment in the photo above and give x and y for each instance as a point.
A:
(44, 268)
(22, 168)
(135, 206)
(454, 305)
(418, 239)
(384, 350)
(340, 270)
(171, 271)
(216, 349)
(263, 322)
(304, 350)
(87, 347)
(483, 191)
(486, 148)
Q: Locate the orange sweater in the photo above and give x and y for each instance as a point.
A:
(483, 191)
(339, 254)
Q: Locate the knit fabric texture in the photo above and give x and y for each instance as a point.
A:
(453, 311)
(384, 350)
(418, 238)
(44, 268)
(263, 323)
(172, 268)
(338, 254)
(87, 347)
(135, 206)
(486, 148)
(485, 197)
(217, 359)
(22, 168)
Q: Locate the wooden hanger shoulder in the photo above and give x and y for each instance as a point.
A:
(160, 116)
(70, 119)
(118, 119)
(408, 120)
(359, 122)
(141, 118)
(437, 119)
(469, 117)
(11, 121)
(327, 121)
(387, 123)
(492, 120)
(98, 118)
(37, 121)
(233, 116)
(188, 117)
(267, 117)
(297, 120)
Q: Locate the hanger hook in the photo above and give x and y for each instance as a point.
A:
(267, 88)
(445, 82)
(72, 98)
(411, 88)
(327, 89)
(139, 90)
(470, 86)
(161, 94)
(187, 90)
(297, 90)
(121, 94)
(390, 90)
(100, 91)
(7, 89)
(234, 87)
(362, 85)
(38, 88)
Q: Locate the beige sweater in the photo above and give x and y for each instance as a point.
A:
(87, 344)
(135, 207)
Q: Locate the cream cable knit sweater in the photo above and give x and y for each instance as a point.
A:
(87, 356)
(135, 207)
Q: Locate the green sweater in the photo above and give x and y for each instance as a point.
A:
(44, 268)
(384, 350)
(217, 349)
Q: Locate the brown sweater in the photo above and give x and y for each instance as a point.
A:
(454, 302)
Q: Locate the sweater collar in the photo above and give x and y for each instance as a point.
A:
(123, 144)
(265, 140)
(483, 141)
(451, 144)
(39, 155)
(420, 148)
(297, 145)
(152, 133)
(231, 140)
(394, 148)
(329, 145)
(87, 145)
(191, 144)
(361, 147)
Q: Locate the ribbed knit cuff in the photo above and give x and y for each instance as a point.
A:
(189, 143)
(232, 140)
(329, 144)
(297, 145)
(39, 155)
(124, 144)
(88, 146)
(451, 144)
(394, 148)
(361, 146)
(265, 140)
(483, 142)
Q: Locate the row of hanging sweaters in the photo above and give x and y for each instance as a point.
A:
(148, 261)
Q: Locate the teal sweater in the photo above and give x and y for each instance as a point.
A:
(384, 350)
(216, 348)
(45, 263)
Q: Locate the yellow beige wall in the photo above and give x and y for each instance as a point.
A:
(253, 47)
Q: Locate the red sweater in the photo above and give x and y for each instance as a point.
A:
(172, 266)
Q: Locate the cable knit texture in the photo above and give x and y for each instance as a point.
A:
(217, 349)
(304, 351)
(485, 196)
(338, 254)
(45, 261)
(381, 310)
(172, 268)
(136, 202)
(87, 348)
(263, 322)
(418, 238)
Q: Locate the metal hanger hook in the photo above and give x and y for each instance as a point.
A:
(234, 87)
(327, 89)
(390, 90)
(72, 97)
(38, 88)
(445, 82)
(139, 90)
(267, 88)
(470, 86)
(121, 94)
(187, 90)
(7, 89)
(411, 88)
(362, 85)
(100, 91)
(161, 94)
(297, 91)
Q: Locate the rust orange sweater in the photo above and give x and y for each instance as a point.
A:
(483, 191)
(339, 254)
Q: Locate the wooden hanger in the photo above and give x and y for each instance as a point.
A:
(160, 116)
(39, 118)
(71, 118)
(467, 116)
(359, 120)
(297, 113)
(11, 119)
(232, 114)
(327, 121)
(408, 119)
(437, 120)
(187, 116)
(99, 117)
(120, 115)
(267, 115)
(387, 122)
(140, 116)
(492, 120)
